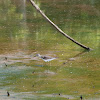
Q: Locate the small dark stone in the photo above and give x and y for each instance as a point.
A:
(59, 94)
(8, 94)
(81, 97)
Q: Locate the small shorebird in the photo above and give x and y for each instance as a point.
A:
(45, 58)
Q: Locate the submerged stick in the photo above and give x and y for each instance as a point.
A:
(57, 28)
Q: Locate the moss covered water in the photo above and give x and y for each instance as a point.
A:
(25, 33)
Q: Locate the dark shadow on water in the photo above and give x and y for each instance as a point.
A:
(81, 53)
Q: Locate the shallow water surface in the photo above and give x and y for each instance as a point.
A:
(24, 33)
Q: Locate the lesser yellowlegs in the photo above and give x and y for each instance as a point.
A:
(45, 58)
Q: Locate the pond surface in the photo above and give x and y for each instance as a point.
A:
(24, 33)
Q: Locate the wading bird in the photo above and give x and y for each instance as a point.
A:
(45, 58)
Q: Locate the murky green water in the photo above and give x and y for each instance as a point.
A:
(24, 33)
